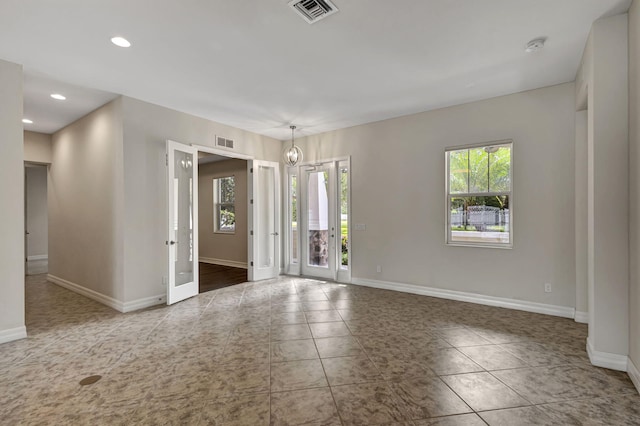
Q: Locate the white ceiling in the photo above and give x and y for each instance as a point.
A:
(256, 65)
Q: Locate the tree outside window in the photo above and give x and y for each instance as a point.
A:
(224, 199)
(479, 195)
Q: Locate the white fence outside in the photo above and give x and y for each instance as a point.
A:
(480, 217)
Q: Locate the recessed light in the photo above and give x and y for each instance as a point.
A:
(27, 121)
(120, 42)
(58, 96)
(535, 45)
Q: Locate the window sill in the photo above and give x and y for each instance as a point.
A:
(225, 232)
(480, 245)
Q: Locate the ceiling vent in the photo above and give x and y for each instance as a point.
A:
(224, 142)
(313, 10)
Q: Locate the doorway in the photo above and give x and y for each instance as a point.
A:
(263, 218)
(318, 231)
(223, 215)
(36, 219)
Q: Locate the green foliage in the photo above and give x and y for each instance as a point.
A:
(345, 249)
(477, 170)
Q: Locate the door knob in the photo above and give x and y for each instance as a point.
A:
(275, 233)
(170, 243)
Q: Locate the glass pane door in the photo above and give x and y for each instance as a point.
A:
(183, 210)
(265, 217)
(319, 233)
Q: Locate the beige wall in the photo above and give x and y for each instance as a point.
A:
(634, 139)
(37, 218)
(605, 71)
(12, 202)
(581, 228)
(146, 129)
(398, 193)
(37, 147)
(222, 246)
(85, 202)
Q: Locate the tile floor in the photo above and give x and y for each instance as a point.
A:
(295, 351)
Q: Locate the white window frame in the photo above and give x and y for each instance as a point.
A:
(217, 206)
(448, 196)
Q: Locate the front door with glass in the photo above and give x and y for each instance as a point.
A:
(318, 232)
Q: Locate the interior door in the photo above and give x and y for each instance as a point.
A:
(318, 236)
(264, 220)
(182, 235)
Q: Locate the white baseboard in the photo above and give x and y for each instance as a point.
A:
(582, 317)
(38, 257)
(146, 302)
(521, 305)
(13, 334)
(634, 374)
(231, 263)
(107, 300)
(606, 359)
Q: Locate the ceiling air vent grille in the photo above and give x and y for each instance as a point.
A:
(313, 10)
(224, 142)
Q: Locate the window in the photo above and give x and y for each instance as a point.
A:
(224, 204)
(293, 216)
(479, 195)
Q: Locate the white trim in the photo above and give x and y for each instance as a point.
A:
(38, 257)
(12, 334)
(86, 292)
(634, 374)
(521, 305)
(582, 317)
(119, 306)
(606, 359)
(145, 302)
(223, 152)
(231, 263)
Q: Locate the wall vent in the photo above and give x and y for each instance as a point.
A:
(224, 142)
(313, 10)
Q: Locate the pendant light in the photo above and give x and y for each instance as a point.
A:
(293, 155)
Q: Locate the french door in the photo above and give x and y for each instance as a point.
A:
(182, 235)
(264, 220)
(318, 225)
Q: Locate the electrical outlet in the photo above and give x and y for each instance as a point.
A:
(547, 287)
(378, 268)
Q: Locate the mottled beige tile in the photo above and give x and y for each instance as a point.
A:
(293, 350)
(304, 407)
(482, 391)
(368, 404)
(290, 332)
(329, 329)
(459, 420)
(492, 357)
(518, 416)
(429, 397)
(236, 411)
(338, 346)
(350, 370)
(292, 375)
(323, 316)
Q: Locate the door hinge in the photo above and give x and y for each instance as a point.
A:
(251, 263)
(251, 201)
(251, 170)
(166, 159)
(251, 233)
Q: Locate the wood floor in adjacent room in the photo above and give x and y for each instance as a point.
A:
(294, 351)
(213, 277)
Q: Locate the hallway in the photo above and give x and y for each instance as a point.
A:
(293, 350)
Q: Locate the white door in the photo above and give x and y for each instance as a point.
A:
(322, 218)
(318, 222)
(264, 220)
(182, 235)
